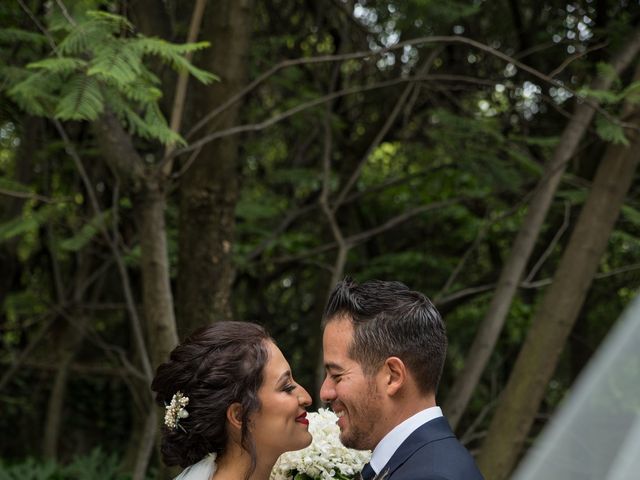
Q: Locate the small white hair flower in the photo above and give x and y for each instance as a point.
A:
(176, 410)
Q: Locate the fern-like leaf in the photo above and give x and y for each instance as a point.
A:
(10, 75)
(62, 65)
(610, 131)
(86, 233)
(141, 92)
(26, 223)
(16, 35)
(174, 56)
(81, 38)
(112, 22)
(33, 93)
(82, 100)
(115, 64)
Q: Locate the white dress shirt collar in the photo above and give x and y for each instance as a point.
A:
(392, 440)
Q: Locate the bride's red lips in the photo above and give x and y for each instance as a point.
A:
(302, 418)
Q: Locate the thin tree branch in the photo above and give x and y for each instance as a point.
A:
(133, 314)
(78, 368)
(567, 61)
(35, 340)
(343, 248)
(470, 434)
(45, 32)
(552, 244)
(94, 337)
(364, 54)
(364, 236)
(29, 196)
(65, 13)
(400, 104)
(298, 212)
(254, 127)
(183, 79)
(465, 257)
(465, 292)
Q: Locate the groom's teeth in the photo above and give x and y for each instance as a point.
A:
(339, 414)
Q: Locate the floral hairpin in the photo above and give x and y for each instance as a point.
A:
(175, 411)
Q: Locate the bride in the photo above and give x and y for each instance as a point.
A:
(232, 405)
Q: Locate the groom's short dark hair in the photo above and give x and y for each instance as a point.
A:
(390, 320)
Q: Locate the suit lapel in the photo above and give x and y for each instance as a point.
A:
(433, 430)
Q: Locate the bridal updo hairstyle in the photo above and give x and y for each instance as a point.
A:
(215, 367)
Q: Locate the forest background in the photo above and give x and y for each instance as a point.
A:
(164, 165)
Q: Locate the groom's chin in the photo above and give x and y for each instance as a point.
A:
(351, 441)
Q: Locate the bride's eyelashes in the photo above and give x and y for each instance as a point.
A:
(289, 387)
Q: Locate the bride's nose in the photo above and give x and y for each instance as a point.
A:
(304, 398)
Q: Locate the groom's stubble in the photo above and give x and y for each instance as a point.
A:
(364, 413)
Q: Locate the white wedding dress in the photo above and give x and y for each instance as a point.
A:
(203, 470)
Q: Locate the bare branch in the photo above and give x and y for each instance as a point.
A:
(183, 79)
(400, 104)
(65, 13)
(567, 61)
(45, 32)
(467, 254)
(29, 196)
(364, 54)
(122, 269)
(466, 292)
(78, 368)
(343, 248)
(35, 340)
(315, 102)
(471, 434)
(364, 236)
(552, 244)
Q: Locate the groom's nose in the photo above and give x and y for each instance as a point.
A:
(327, 390)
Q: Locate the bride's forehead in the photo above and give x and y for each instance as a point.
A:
(276, 363)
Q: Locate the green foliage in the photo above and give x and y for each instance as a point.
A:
(30, 469)
(86, 233)
(14, 35)
(96, 68)
(610, 131)
(97, 465)
(28, 223)
(631, 215)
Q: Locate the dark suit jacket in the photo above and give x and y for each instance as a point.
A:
(431, 452)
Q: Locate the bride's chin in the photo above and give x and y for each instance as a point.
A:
(306, 442)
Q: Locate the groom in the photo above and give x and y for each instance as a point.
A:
(384, 348)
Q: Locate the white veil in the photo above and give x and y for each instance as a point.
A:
(595, 434)
(203, 470)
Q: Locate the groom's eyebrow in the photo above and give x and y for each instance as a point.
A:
(332, 366)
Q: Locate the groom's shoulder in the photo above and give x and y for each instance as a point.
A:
(443, 458)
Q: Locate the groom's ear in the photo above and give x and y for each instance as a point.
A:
(234, 415)
(395, 373)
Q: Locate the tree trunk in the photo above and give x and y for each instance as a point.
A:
(209, 188)
(558, 311)
(149, 197)
(513, 269)
(156, 286)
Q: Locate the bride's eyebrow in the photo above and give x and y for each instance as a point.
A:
(285, 376)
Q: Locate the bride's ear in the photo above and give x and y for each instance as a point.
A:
(234, 415)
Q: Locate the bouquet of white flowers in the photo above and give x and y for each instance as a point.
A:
(326, 458)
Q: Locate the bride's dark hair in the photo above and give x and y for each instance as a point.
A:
(215, 366)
